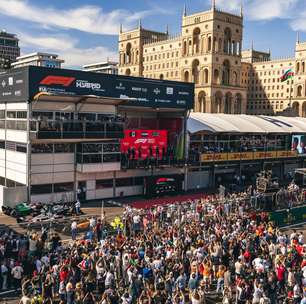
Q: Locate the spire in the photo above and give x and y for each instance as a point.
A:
(213, 4)
(167, 29)
(297, 37)
(185, 10)
(252, 45)
(139, 24)
(120, 28)
(241, 9)
(269, 51)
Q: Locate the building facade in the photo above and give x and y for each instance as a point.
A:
(9, 49)
(106, 67)
(61, 130)
(38, 59)
(206, 52)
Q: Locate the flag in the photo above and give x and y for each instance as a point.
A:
(287, 75)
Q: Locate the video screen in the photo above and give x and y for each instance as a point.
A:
(299, 144)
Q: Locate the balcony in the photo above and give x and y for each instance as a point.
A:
(98, 157)
(76, 129)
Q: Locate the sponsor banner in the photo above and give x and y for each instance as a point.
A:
(136, 91)
(214, 157)
(234, 156)
(13, 86)
(281, 154)
(271, 154)
(259, 155)
(292, 153)
(247, 155)
(208, 157)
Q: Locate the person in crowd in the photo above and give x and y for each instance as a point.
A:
(215, 247)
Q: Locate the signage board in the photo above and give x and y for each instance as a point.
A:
(14, 86)
(135, 90)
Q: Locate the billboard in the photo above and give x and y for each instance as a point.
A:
(140, 144)
(158, 186)
(14, 86)
(298, 144)
(135, 90)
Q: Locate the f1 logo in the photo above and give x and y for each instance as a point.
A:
(58, 80)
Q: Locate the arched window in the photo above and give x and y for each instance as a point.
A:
(186, 76)
(209, 44)
(303, 67)
(238, 104)
(295, 109)
(161, 76)
(196, 40)
(202, 102)
(226, 73)
(227, 41)
(220, 45)
(195, 70)
(185, 48)
(228, 103)
(235, 78)
(216, 106)
(128, 72)
(128, 53)
(297, 68)
(216, 77)
(299, 91)
(206, 76)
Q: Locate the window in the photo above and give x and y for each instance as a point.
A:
(21, 148)
(9, 145)
(111, 158)
(2, 144)
(41, 189)
(104, 183)
(22, 114)
(124, 182)
(87, 116)
(11, 114)
(42, 115)
(63, 148)
(63, 187)
(42, 148)
(2, 114)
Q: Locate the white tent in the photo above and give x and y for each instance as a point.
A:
(229, 123)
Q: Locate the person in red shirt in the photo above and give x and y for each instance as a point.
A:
(280, 273)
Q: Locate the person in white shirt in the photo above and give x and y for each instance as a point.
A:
(17, 272)
(74, 227)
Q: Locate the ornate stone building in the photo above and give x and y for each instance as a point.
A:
(207, 52)
(266, 93)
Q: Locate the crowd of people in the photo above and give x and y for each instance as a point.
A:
(216, 248)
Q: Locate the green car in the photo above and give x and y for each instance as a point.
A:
(23, 209)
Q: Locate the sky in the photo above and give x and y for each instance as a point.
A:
(86, 31)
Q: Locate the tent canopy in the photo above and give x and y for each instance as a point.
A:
(229, 123)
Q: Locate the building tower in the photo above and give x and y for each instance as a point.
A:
(211, 53)
(131, 49)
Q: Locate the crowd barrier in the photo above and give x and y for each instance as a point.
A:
(288, 217)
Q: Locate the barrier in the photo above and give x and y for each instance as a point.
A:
(287, 217)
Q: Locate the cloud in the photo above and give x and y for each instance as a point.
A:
(258, 10)
(299, 23)
(66, 47)
(87, 18)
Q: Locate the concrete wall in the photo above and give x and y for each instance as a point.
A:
(12, 196)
